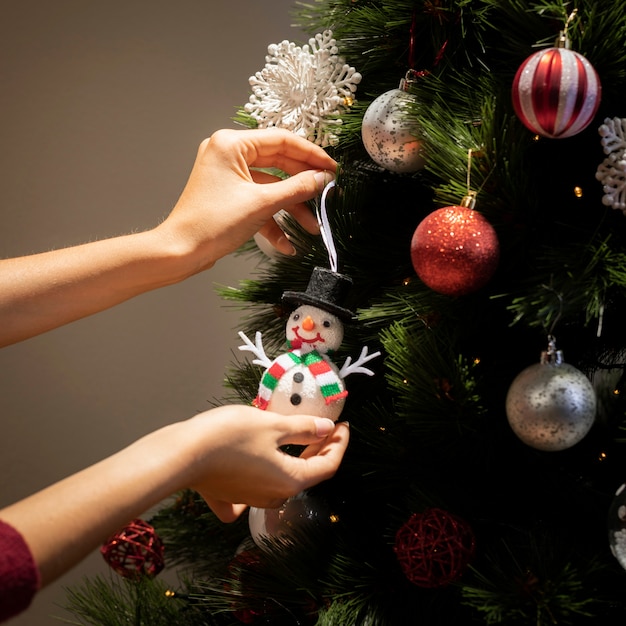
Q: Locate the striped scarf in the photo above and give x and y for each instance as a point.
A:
(327, 379)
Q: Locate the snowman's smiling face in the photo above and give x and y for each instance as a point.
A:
(310, 328)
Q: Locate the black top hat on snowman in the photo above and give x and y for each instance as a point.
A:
(327, 290)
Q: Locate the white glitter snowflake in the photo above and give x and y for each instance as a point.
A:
(303, 89)
(612, 171)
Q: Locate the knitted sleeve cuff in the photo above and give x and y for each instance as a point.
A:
(19, 575)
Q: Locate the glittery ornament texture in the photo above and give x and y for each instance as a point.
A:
(556, 92)
(551, 407)
(304, 89)
(389, 135)
(455, 250)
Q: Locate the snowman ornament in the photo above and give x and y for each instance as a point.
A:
(304, 380)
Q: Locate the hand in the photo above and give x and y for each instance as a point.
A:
(226, 201)
(238, 461)
(229, 454)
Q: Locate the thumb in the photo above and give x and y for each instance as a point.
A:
(299, 187)
(304, 429)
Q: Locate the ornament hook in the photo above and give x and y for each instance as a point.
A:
(563, 38)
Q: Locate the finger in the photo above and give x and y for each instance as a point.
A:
(302, 429)
(300, 212)
(323, 465)
(295, 190)
(277, 237)
(319, 447)
(285, 150)
(225, 511)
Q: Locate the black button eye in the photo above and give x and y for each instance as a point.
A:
(327, 324)
(296, 317)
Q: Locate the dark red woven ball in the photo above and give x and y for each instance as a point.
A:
(434, 548)
(134, 551)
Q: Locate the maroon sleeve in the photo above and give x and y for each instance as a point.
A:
(19, 576)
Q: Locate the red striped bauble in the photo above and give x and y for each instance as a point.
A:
(556, 92)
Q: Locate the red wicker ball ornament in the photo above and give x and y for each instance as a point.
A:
(556, 92)
(455, 250)
(434, 548)
(134, 551)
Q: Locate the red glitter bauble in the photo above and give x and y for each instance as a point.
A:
(434, 548)
(134, 551)
(455, 250)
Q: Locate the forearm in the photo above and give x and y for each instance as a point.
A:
(69, 519)
(43, 291)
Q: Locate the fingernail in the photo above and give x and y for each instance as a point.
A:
(285, 246)
(322, 178)
(324, 426)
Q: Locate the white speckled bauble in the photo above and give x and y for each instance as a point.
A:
(551, 405)
(617, 526)
(389, 136)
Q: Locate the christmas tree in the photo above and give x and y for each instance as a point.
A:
(479, 211)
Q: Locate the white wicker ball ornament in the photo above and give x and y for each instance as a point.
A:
(617, 526)
(556, 92)
(389, 136)
(551, 405)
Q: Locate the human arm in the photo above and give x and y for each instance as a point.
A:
(225, 202)
(230, 455)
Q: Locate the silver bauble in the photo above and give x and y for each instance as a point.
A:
(389, 138)
(551, 405)
(298, 513)
(617, 526)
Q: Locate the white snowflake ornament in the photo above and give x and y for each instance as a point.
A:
(303, 89)
(612, 171)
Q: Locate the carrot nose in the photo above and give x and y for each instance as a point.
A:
(308, 324)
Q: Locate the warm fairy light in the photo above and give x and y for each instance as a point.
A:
(616, 392)
(334, 518)
(406, 282)
(405, 381)
(170, 594)
(536, 138)
(578, 191)
(602, 457)
(477, 361)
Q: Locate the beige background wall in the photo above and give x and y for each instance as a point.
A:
(102, 107)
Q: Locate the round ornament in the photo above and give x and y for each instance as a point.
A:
(551, 405)
(434, 548)
(389, 136)
(134, 551)
(556, 92)
(617, 526)
(455, 250)
(297, 514)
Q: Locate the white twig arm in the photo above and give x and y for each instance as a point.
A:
(256, 348)
(356, 367)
